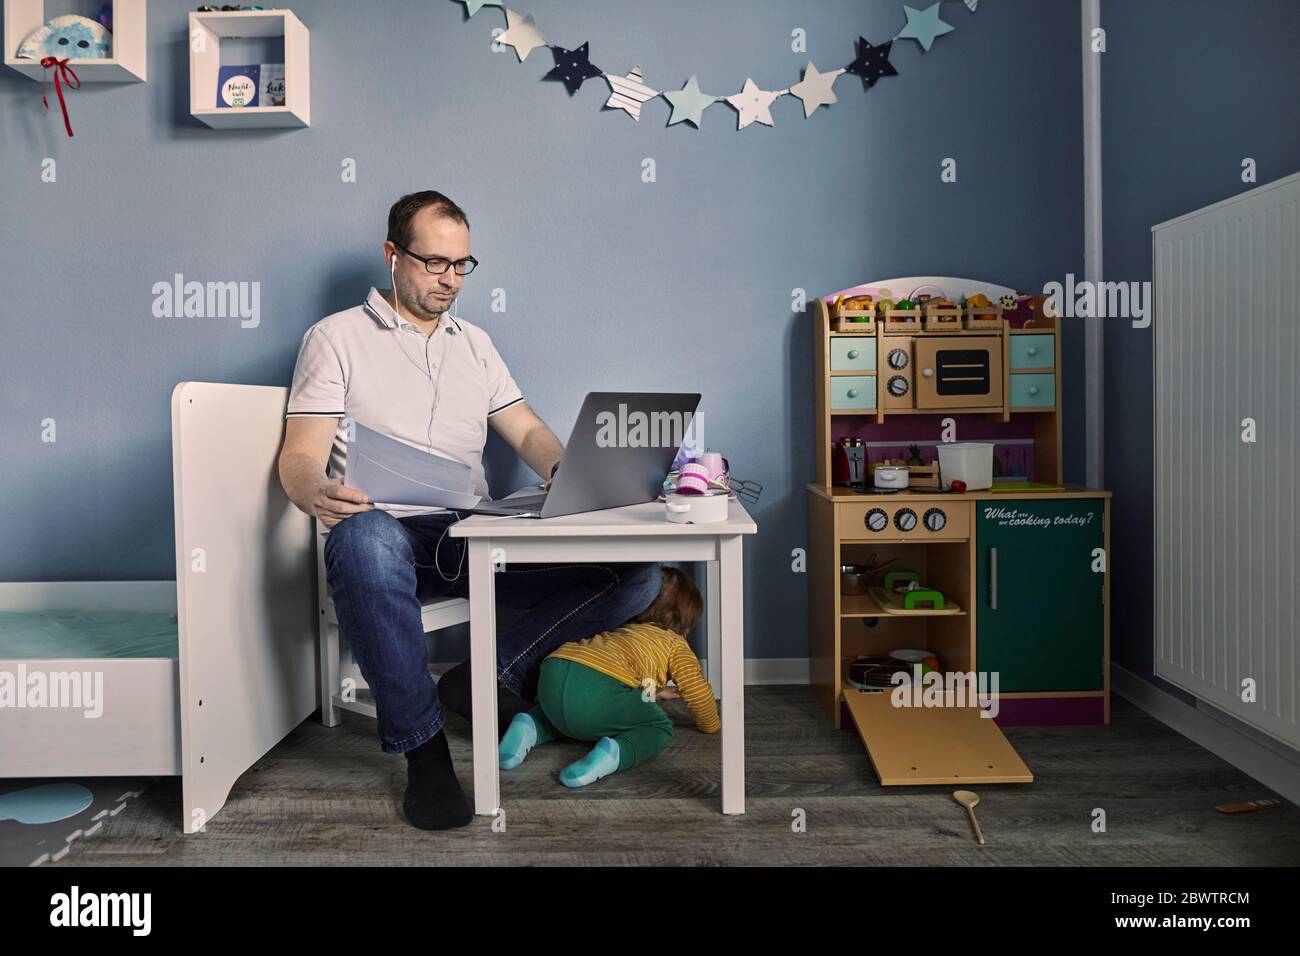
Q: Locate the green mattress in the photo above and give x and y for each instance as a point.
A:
(57, 634)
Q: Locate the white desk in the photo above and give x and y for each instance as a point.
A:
(635, 533)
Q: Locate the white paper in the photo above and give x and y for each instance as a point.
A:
(404, 479)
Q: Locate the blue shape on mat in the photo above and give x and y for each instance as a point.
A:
(46, 803)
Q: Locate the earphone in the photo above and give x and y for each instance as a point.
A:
(392, 273)
(460, 564)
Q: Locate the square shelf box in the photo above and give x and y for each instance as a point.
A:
(126, 65)
(854, 321)
(207, 30)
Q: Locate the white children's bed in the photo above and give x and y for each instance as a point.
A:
(201, 696)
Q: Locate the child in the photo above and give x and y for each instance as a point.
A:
(604, 689)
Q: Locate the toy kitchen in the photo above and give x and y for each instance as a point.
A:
(942, 539)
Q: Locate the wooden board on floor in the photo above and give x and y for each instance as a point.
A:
(932, 745)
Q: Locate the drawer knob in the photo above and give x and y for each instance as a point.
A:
(1033, 389)
(854, 353)
(853, 393)
(928, 372)
(1032, 350)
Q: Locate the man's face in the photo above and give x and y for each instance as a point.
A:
(420, 293)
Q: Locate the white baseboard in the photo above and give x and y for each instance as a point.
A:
(1266, 761)
(758, 670)
(772, 670)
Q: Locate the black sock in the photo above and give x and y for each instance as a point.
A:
(454, 691)
(454, 695)
(434, 799)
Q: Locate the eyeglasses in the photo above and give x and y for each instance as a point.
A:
(437, 265)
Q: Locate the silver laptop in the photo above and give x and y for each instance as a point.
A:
(621, 448)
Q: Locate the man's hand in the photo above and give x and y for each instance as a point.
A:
(333, 501)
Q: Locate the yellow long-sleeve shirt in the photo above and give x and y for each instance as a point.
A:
(635, 654)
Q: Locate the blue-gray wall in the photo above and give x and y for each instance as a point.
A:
(1189, 89)
(604, 274)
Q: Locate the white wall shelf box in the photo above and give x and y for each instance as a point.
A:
(126, 65)
(207, 30)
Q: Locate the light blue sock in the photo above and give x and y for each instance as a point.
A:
(601, 762)
(520, 738)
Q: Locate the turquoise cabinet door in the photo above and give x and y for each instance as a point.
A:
(1032, 390)
(853, 391)
(1033, 351)
(1039, 620)
(853, 354)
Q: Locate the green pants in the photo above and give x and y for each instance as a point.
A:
(576, 701)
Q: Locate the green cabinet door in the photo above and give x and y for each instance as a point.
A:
(1040, 623)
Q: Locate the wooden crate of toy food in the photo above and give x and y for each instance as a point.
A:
(901, 316)
(856, 314)
(941, 315)
(918, 476)
(982, 314)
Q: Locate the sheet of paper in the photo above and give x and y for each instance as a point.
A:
(404, 479)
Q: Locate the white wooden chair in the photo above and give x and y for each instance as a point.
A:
(336, 661)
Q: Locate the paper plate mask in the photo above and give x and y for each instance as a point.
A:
(67, 37)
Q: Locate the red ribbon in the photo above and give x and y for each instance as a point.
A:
(62, 74)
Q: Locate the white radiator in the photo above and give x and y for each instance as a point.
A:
(1226, 574)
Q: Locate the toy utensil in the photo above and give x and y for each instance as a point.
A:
(747, 490)
(970, 799)
(1249, 806)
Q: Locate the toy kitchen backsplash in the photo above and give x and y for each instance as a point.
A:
(1013, 442)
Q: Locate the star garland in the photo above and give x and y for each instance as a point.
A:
(753, 105)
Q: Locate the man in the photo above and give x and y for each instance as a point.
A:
(401, 364)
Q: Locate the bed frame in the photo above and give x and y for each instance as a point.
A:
(247, 667)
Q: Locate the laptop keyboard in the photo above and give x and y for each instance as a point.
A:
(522, 503)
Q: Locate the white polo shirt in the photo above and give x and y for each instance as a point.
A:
(435, 393)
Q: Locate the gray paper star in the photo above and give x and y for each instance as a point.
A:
(815, 89)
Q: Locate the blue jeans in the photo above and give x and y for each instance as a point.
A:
(380, 569)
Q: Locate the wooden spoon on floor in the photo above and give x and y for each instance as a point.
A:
(970, 799)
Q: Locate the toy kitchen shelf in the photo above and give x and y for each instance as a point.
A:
(1020, 566)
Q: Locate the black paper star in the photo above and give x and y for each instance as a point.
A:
(572, 66)
(872, 62)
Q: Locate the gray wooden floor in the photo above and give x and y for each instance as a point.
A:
(332, 797)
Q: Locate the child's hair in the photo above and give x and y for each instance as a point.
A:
(678, 606)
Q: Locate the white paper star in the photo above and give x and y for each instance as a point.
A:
(629, 93)
(753, 104)
(815, 89)
(522, 34)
